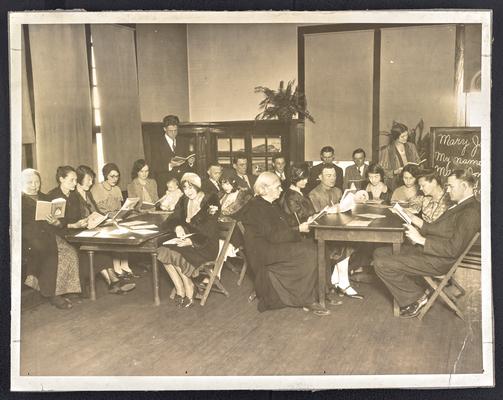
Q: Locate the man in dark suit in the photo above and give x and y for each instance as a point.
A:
(240, 165)
(279, 168)
(211, 184)
(356, 174)
(436, 246)
(327, 155)
(164, 148)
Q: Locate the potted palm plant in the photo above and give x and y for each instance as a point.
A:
(283, 104)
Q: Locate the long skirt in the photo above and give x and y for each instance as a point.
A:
(288, 278)
(67, 276)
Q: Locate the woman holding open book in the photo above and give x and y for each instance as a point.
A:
(142, 186)
(397, 154)
(297, 206)
(194, 221)
(52, 265)
(108, 197)
(435, 200)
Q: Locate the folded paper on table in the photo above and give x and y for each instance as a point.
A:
(176, 239)
(371, 216)
(145, 231)
(357, 222)
(149, 226)
(87, 234)
(56, 208)
(133, 223)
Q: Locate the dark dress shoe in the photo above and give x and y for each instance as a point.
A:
(412, 310)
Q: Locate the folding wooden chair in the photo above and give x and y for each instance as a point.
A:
(212, 269)
(470, 258)
(241, 256)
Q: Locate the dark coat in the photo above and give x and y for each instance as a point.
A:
(161, 154)
(351, 175)
(294, 203)
(314, 179)
(203, 225)
(208, 187)
(448, 236)
(385, 197)
(72, 210)
(39, 247)
(242, 183)
(283, 262)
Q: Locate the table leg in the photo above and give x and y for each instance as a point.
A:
(321, 272)
(396, 248)
(155, 277)
(92, 286)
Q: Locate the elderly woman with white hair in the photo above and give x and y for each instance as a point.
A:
(194, 222)
(283, 261)
(51, 264)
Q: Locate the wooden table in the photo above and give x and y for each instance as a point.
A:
(129, 242)
(334, 227)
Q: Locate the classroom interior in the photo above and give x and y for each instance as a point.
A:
(97, 93)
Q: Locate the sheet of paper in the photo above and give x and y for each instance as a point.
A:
(86, 234)
(133, 223)
(357, 222)
(145, 231)
(149, 226)
(371, 216)
(174, 240)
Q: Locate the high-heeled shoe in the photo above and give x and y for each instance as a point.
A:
(179, 300)
(187, 302)
(344, 292)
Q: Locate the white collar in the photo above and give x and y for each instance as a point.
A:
(464, 199)
(214, 182)
(295, 188)
(170, 140)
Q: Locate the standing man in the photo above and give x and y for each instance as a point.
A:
(163, 149)
(278, 167)
(211, 184)
(435, 246)
(240, 165)
(356, 174)
(327, 155)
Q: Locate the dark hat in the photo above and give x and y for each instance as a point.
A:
(107, 168)
(298, 172)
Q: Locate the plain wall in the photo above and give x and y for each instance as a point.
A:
(417, 81)
(227, 61)
(162, 71)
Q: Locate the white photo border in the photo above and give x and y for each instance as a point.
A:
(79, 383)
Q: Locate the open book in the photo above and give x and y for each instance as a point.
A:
(348, 200)
(126, 208)
(398, 209)
(146, 205)
(95, 219)
(177, 160)
(56, 208)
(176, 239)
(418, 164)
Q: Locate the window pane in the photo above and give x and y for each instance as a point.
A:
(274, 144)
(258, 165)
(96, 98)
(258, 145)
(238, 145)
(97, 117)
(100, 155)
(223, 144)
(93, 64)
(224, 160)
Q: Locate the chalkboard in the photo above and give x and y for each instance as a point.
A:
(456, 147)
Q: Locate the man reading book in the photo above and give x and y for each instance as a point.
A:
(435, 246)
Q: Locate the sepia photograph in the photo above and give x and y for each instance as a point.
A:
(250, 200)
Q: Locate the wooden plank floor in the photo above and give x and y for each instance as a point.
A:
(127, 335)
